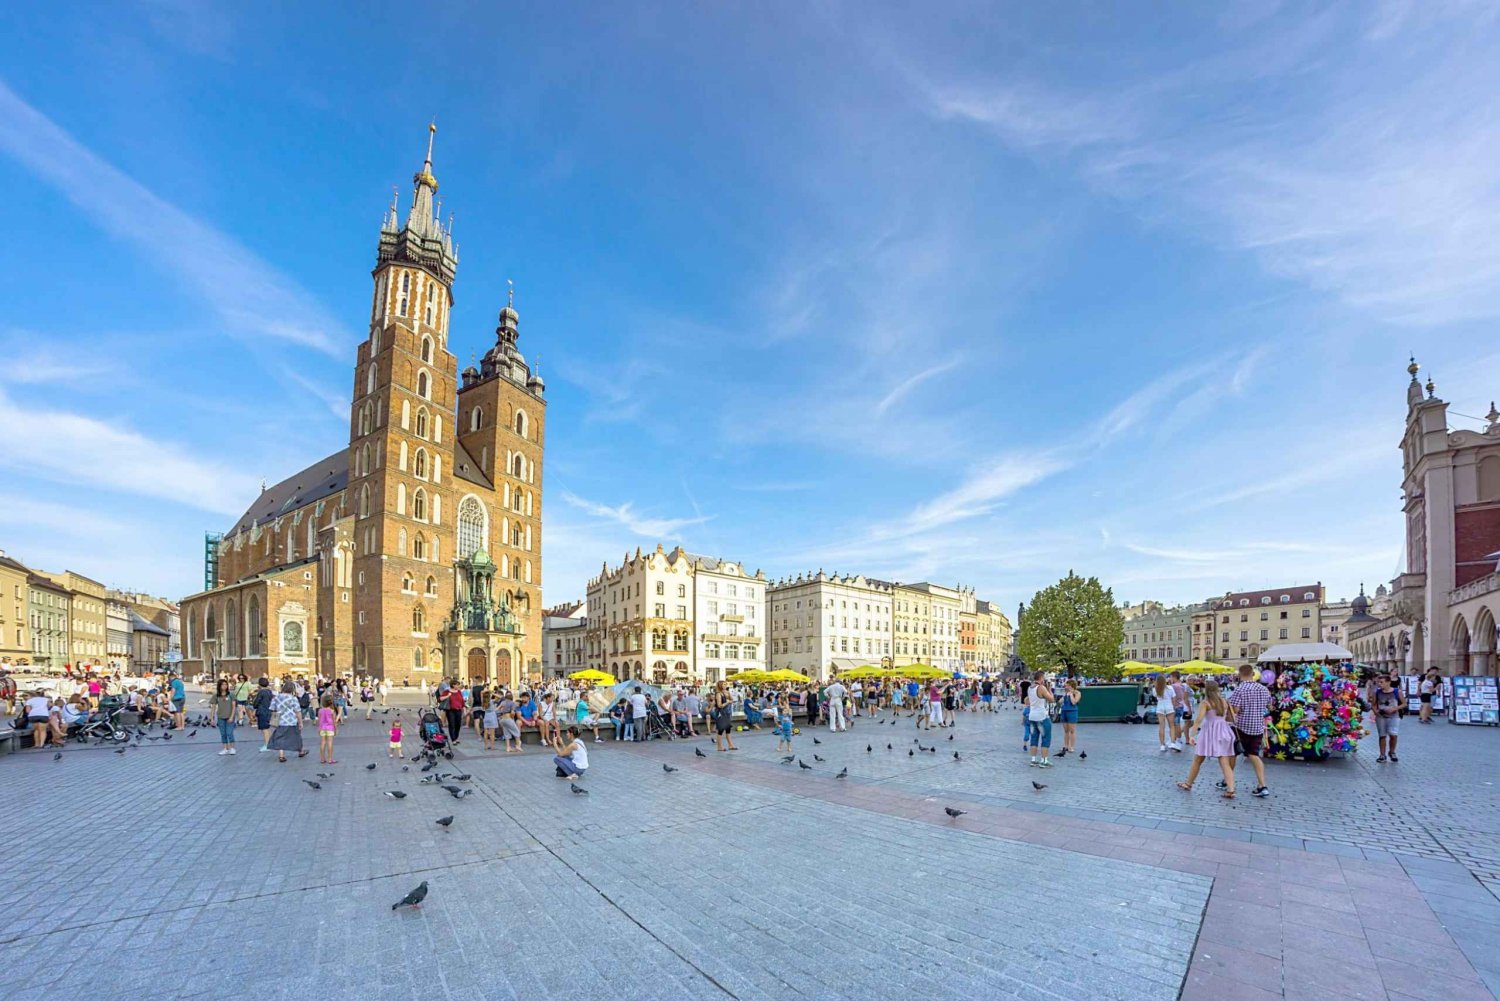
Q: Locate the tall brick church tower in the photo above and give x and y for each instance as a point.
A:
(416, 552)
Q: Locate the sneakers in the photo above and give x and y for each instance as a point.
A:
(1380, 759)
(1261, 792)
(1044, 763)
(226, 751)
(1034, 762)
(1162, 748)
(263, 747)
(1394, 759)
(1176, 745)
(233, 751)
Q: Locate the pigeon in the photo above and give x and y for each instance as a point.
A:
(404, 768)
(816, 741)
(445, 821)
(166, 736)
(57, 756)
(325, 775)
(788, 759)
(953, 813)
(843, 774)
(414, 898)
(1083, 755)
(429, 766)
(122, 750)
(950, 736)
(667, 768)
(430, 780)
(698, 753)
(804, 765)
(817, 759)
(888, 747)
(578, 790)
(930, 750)
(460, 778)
(956, 757)
(910, 753)
(311, 784)
(452, 789)
(868, 748)
(370, 767)
(460, 793)
(1037, 785)
(396, 794)
(193, 733)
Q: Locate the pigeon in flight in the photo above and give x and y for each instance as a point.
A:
(414, 898)
(667, 768)
(396, 794)
(578, 790)
(952, 812)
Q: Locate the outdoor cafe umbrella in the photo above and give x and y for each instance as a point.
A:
(920, 671)
(867, 671)
(1200, 666)
(787, 674)
(593, 677)
(1134, 667)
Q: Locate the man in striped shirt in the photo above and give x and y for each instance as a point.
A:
(1251, 699)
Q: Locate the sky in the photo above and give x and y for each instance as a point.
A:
(971, 293)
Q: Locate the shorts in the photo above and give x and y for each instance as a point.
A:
(1425, 697)
(1068, 716)
(1181, 714)
(395, 745)
(177, 704)
(1249, 742)
(986, 698)
(1387, 726)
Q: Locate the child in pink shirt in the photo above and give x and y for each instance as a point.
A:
(394, 751)
(328, 724)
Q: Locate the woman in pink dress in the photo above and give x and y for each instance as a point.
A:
(1215, 738)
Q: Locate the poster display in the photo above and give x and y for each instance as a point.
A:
(1411, 685)
(1476, 701)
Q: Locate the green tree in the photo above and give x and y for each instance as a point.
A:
(1072, 625)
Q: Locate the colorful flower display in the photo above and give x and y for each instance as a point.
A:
(1315, 710)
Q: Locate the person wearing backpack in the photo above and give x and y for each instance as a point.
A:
(260, 703)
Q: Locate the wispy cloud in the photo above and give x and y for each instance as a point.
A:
(30, 363)
(1375, 185)
(67, 447)
(907, 385)
(774, 487)
(249, 296)
(626, 515)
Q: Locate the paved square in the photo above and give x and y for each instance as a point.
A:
(738, 876)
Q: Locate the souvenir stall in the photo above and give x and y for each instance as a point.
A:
(1317, 706)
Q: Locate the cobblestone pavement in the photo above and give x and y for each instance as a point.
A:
(737, 876)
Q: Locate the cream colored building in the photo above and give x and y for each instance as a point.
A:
(1249, 622)
(1158, 634)
(15, 622)
(937, 608)
(823, 622)
(995, 643)
(730, 631)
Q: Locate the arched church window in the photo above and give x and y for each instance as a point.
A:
(253, 631)
(422, 420)
(418, 662)
(231, 630)
(401, 498)
(419, 547)
(518, 466)
(419, 504)
(471, 526)
(431, 585)
(476, 418)
(407, 583)
(427, 341)
(370, 379)
(427, 347)
(401, 542)
(364, 501)
(419, 464)
(405, 294)
(521, 423)
(424, 386)
(418, 620)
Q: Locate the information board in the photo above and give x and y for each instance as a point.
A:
(1476, 701)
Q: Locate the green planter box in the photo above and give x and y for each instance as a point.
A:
(1107, 703)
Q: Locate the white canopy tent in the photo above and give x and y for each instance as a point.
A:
(1304, 653)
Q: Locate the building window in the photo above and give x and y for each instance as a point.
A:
(405, 294)
(422, 419)
(431, 585)
(424, 385)
(419, 464)
(471, 526)
(419, 504)
(661, 587)
(1306, 632)
(521, 423)
(418, 620)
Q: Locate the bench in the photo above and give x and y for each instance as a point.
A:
(10, 740)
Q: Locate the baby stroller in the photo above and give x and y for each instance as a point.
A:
(658, 726)
(104, 723)
(434, 737)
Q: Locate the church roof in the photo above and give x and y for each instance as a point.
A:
(321, 479)
(140, 624)
(465, 468)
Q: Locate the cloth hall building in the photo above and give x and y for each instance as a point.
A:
(414, 552)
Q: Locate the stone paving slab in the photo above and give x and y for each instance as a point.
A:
(738, 876)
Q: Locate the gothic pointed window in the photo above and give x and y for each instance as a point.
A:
(422, 420)
(427, 341)
(231, 630)
(521, 423)
(471, 526)
(405, 294)
(419, 464)
(424, 386)
(431, 585)
(401, 542)
(418, 620)
(407, 583)
(518, 465)
(419, 505)
(419, 547)
(427, 347)
(370, 379)
(364, 501)
(476, 418)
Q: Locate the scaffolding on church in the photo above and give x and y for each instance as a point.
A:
(211, 542)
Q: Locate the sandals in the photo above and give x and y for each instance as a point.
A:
(1185, 787)
(1227, 794)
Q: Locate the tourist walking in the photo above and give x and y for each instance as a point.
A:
(1386, 706)
(288, 733)
(1250, 701)
(1039, 721)
(721, 707)
(328, 725)
(261, 704)
(1166, 730)
(225, 707)
(1067, 707)
(453, 707)
(836, 721)
(1215, 739)
(1430, 687)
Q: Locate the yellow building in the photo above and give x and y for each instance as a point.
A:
(1249, 622)
(15, 633)
(87, 626)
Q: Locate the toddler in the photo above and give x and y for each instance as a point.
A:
(394, 751)
(328, 725)
(784, 726)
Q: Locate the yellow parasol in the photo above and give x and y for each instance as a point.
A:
(593, 677)
(1200, 666)
(867, 671)
(787, 674)
(755, 675)
(920, 671)
(1134, 667)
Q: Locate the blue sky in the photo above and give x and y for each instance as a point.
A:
(970, 294)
